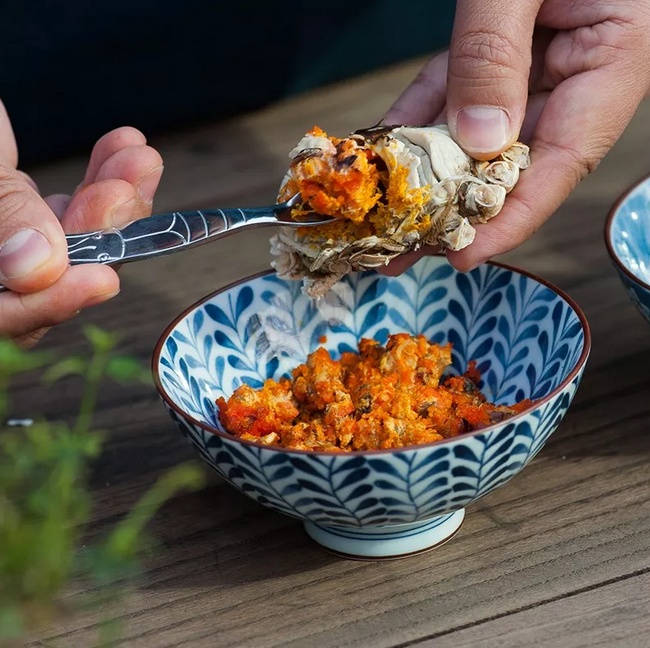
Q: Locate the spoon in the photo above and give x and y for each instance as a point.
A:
(176, 231)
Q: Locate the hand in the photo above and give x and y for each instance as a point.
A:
(121, 179)
(564, 76)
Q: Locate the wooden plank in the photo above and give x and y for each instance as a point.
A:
(234, 578)
(612, 615)
(532, 539)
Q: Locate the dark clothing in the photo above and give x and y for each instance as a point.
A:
(73, 70)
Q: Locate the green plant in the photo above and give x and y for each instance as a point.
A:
(45, 503)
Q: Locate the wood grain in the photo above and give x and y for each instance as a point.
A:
(557, 557)
(611, 615)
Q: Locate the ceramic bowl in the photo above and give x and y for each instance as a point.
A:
(530, 341)
(627, 237)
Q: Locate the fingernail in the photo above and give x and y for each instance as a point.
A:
(23, 253)
(482, 129)
(149, 184)
(100, 299)
(123, 213)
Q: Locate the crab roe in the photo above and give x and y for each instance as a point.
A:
(378, 398)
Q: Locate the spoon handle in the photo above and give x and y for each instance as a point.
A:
(164, 234)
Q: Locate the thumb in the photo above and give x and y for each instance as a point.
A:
(33, 250)
(489, 65)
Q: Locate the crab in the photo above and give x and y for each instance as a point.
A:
(391, 190)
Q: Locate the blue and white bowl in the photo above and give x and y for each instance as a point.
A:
(530, 341)
(627, 237)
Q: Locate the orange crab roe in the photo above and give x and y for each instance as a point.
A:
(378, 398)
(344, 184)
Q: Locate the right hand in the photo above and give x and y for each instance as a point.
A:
(564, 76)
(121, 179)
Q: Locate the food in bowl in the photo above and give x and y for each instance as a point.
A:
(382, 397)
(392, 189)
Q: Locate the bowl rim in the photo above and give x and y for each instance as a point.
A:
(614, 210)
(155, 362)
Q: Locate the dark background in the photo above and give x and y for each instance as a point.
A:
(73, 70)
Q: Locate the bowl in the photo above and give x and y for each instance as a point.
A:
(627, 237)
(530, 341)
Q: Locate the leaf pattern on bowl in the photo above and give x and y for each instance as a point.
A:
(384, 488)
(528, 341)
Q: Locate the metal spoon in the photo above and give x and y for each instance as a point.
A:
(169, 233)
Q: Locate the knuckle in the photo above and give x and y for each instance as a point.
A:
(35, 314)
(13, 197)
(422, 79)
(17, 319)
(618, 43)
(31, 339)
(478, 51)
(626, 30)
(575, 163)
(84, 199)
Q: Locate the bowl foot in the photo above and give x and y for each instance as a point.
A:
(394, 541)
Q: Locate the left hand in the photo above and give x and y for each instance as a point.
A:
(119, 185)
(565, 77)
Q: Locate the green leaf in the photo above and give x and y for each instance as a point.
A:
(14, 360)
(123, 369)
(11, 622)
(70, 366)
(45, 499)
(101, 341)
(125, 539)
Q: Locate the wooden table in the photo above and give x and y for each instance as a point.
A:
(559, 557)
